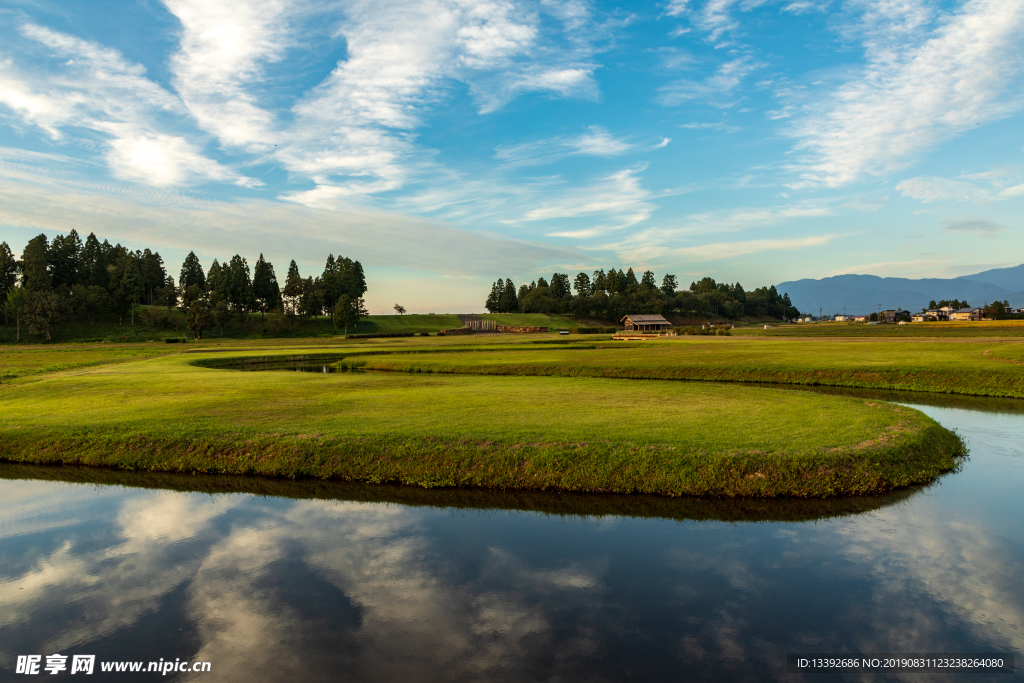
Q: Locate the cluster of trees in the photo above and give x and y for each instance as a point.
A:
(68, 279)
(617, 293)
(955, 304)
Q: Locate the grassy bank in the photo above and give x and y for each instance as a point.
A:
(504, 432)
(940, 330)
(991, 368)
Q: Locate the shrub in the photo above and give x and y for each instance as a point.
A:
(424, 334)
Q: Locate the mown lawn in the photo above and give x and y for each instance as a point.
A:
(942, 330)
(513, 432)
(982, 367)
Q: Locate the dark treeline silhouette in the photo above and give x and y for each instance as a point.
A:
(70, 280)
(617, 293)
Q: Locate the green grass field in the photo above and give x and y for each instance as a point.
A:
(513, 431)
(942, 330)
(973, 367)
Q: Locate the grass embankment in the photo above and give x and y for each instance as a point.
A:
(28, 361)
(942, 330)
(531, 433)
(971, 368)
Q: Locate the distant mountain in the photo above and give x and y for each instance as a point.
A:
(862, 294)
(1011, 279)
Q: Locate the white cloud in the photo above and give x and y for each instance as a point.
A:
(620, 197)
(929, 189)
(727, 77)
(721, 250)
(95, 88)
(595, 142)
(914, 93)
(223, 46)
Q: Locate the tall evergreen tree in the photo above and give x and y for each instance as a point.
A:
(217, 279)
(493, 303)
(93, 263)
(64, 257)
(293, 284)
(153, 274)
(669, 285)
(264, 286)
(630, 281)
(560, 285)
(131, 286)
(35, 272)
(582, 285)
(509, 301)
(648, 282)
(192, 273)
(239, 286)
(8, 274)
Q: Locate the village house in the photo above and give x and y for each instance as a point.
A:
(646, 323)
(967, 314)
(891, 316)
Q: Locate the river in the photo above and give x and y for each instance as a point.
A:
(312, 581)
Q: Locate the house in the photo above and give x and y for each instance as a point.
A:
(843, 318)
(859, 318)
(967, 314)
(891, 316)
(646, 323)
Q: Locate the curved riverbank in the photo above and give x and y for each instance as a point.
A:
(508, 433)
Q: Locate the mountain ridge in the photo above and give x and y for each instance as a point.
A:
(863, 294)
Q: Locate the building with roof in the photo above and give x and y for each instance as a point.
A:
(967, 314)
(646, 322)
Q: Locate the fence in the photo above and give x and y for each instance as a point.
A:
(514, 328)
(481, 325)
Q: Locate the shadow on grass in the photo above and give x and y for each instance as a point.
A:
(982, 404)
(548, 503)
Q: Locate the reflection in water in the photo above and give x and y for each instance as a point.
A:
(319, 581)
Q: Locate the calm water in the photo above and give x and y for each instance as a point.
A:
(298, 581)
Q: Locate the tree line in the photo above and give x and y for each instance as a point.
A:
(616, 293)
(67, 279)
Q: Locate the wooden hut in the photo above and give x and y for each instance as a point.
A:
(646, 323)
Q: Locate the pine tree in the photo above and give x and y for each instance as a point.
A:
(35, 274)
(493, 304)
(630, 281)
(131, 286)
(582, 285)
(93, 263)
(293, 286)
(192, 273)
(8, 274)
(669, 285)
(239, 293)
(64, 259)
(264, 286)
(509, 302)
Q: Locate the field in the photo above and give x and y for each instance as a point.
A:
(555, 414)
(942, 330)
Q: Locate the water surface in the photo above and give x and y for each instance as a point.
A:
(318, 581)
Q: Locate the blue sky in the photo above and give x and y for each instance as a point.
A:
(446, 143)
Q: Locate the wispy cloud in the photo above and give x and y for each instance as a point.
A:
(929, 189)
(222, 49)
(914, 92)
(972, 227)
(726, 79)
(97, 89)
(597, 141)
(721, 250)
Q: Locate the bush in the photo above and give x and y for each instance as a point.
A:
(593, 330)
(424, 334)
(722, 330)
